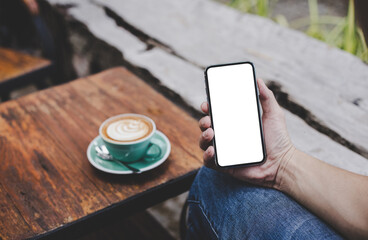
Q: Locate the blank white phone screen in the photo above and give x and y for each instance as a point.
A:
(235, 114)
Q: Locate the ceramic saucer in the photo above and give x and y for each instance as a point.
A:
(158, 139)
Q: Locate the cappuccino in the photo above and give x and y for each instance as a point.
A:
(128, 128)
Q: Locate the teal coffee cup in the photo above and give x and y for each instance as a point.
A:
(128, 137)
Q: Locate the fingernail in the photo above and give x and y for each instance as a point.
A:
(205, 134)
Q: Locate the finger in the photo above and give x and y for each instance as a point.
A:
(268, 100)
(208, 158)
(204, 123)
(204, 107)
(205, 139)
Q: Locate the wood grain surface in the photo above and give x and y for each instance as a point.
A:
(46, 180)
(14, 64)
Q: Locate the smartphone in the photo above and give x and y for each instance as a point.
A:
(234, 108)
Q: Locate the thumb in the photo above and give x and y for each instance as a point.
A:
(268, 100)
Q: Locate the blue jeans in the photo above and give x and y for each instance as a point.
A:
(221, 207)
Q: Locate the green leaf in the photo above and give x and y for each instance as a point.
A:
(350, 41)
(262, 8)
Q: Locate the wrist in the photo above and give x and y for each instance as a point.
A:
(285, 163)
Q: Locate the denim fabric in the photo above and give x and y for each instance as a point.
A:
(221, 207)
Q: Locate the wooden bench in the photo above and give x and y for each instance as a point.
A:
(18, 69)
(322, 89)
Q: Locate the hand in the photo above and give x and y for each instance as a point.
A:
(32, 6)
(278, 144)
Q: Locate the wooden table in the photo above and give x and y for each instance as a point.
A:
(14, 64)
(18, 69)
(47, 186)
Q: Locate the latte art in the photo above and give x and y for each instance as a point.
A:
(127, 130)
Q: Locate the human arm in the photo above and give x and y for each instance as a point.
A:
(335, 195)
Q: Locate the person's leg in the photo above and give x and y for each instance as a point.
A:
(221, 207)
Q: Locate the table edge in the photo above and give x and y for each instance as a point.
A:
(28, 77)
(124, 208)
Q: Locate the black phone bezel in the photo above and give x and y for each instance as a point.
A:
(258, 109)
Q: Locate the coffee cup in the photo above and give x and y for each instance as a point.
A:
(128, 137)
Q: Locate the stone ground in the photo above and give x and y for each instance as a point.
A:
(168, 212)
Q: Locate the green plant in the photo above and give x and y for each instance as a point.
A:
(262, 8)
(259, 7)
(342, 32)
(314, 29)
(350, 38)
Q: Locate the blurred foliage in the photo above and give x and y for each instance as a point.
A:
(259, 7)
(343, 32)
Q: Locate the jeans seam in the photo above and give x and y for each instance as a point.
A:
(209, 222)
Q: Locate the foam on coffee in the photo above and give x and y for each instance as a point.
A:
(127, 128)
